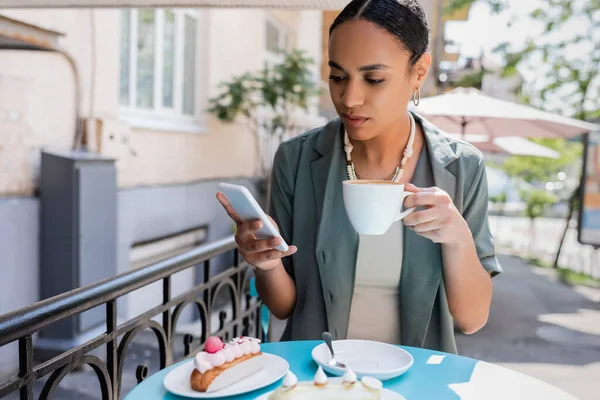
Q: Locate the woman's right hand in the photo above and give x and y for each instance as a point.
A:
(259, 253)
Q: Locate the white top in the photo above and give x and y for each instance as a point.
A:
(374, 313)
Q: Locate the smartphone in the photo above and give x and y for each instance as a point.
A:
(246, 206)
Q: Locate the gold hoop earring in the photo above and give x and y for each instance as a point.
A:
(417, 97)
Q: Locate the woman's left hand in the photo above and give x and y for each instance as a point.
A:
(440, 222)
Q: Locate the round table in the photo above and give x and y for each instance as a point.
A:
(434, 375)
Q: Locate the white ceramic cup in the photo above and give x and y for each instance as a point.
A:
(373, 206)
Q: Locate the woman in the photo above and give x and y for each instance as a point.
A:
(430, 271)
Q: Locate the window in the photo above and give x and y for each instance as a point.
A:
(145, 59)
(189, 65)
(125, 50)
(276, 39)
(158, 64)
(169, 59)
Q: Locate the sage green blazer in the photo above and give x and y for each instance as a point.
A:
(307, 204)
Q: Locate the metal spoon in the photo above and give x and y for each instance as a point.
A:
(332, 361)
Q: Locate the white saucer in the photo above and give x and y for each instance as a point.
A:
(379, 360)
(386, 394)
(177, 381)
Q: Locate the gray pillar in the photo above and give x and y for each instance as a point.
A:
(78, 196)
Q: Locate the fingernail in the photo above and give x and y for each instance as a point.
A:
(257, 225)
(274, 241)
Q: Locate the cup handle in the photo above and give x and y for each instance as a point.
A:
(407, 211)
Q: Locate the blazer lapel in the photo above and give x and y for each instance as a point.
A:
(422, 271)
(336, 239)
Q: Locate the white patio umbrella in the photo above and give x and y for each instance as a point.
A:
(469, 111)
(513, 145)
(516, 145)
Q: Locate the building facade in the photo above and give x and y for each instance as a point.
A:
(140, 80)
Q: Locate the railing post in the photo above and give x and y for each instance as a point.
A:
(236, 257)
(111, 347)
(26, 366)
(167, 320)
(206, 271)
(238, 279)
(207, 296)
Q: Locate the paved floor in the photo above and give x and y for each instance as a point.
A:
(542, 328)
(537, 326)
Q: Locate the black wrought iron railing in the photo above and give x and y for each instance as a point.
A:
(22, 324)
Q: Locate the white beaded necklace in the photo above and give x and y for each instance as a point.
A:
(397, 175)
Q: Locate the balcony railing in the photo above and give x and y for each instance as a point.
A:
(22, 324)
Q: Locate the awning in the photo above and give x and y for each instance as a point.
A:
(23, 36)
(290, 4)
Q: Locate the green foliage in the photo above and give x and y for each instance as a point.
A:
(594, 115)
(499, 201)
(474, 80)
(537, 201)
(281, 89)
(566, 275)
(267, 99)
(234, 99)
(577, 278)
(500, 198)
(571, 77)
(541, 169)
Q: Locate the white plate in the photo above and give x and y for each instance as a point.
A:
(386, 394)
(177, 381)
(379, 360)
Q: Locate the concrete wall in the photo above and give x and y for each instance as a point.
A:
(19, 284)
(36, 112)
(310, 24)
(150, 212)
(186, 157)
(97, 56)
